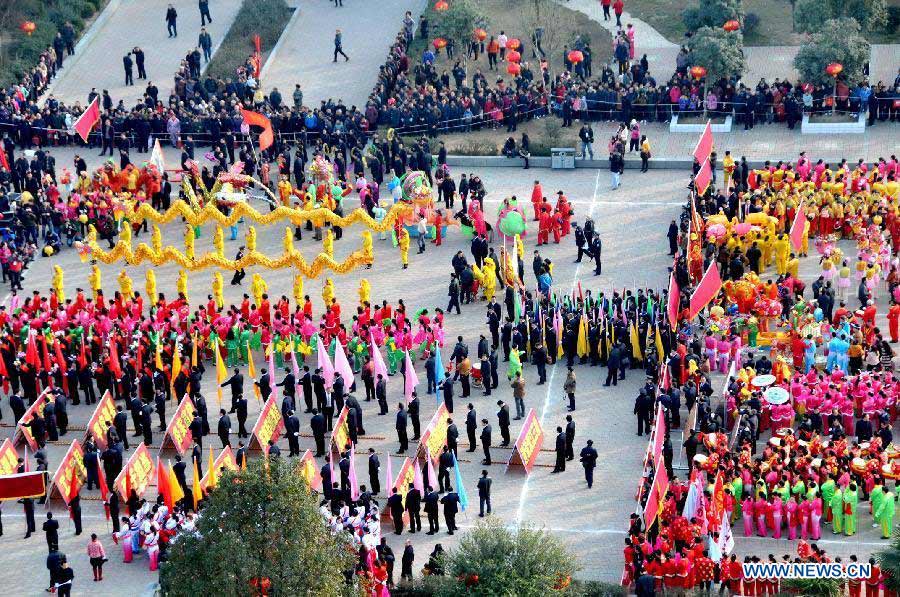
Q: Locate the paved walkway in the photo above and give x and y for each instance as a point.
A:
(305, 52)
(125, 24)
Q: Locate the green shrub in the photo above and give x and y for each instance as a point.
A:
(595, 588)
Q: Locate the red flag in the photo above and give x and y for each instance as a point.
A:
(706, 290)
(61, 362)
(266, 137)
(82, 356)
(4, 161)
(31, 353)
(162, 485)
(798, 228)
(703, 178)
(87, 120)
(674, 301)
(104, 491)
(114, 358)
(139, 360)
(47, 364)
(73, 488)
(257, 57)
(704, 144)
(718, 497)
(5, 375)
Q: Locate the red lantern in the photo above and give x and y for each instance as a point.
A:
(513, 44)
(28, 27)
(480, 34)
(732, 25)
(897, 103)
(441, 6)
(698, 72)
(439, 43)
(834, 69)
(513, 68)
(513, 56)
(575, 56)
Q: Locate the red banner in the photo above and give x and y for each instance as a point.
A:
(703, 178)
(674, 301)
(225, 460)
(706, 290)
(798, 227)
(137, 473)
(340, 433)
(103, 414)
(23, 432)
(528, 444)
(178, 433)
(434, 438)
(307, 469)
(269, 425)
(23, 485)
(62, 479)
(704, 144)
(9, 458)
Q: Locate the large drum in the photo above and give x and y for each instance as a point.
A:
(476, 374)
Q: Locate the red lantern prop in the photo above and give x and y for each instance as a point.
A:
(480, 34)
(575, 56)
(28, 27)
(439, 43)
(732, 25)
(834, 69)
(698, 72)
(441, 6)
(513, 68)
(513, 56)
(513, 44)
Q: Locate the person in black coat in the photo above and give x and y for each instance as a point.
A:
(317, 424)
(147, 423)
(452, 437)
(560, 451)
(241, 410)
(431, 509)
(325, 473)
(292, 430)
(51, 532)
(413, 506)
(374, 472)
(484, 493)
(486, 440)
(413, 410)
(91, 464)
(306, 384)
(643, 406)
(613, 362)
(503, 422)
(471, 426)
(18, 407)
(588, 459)
(400, 425)
(406, 563)
(236, 383)
(159, 402)
(179, 469)
(224, 428)
(451, 507)
(395, 506)
(570, 438)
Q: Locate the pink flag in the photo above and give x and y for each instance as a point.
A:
(706, 290)
(798, 228)
(342, 365)
(659, 435)
(703, 178)
(432, 478)
(378, 361)
(294, 366)
(704, 144)
(272, 385)
(354, 483)
(417, 478)
(410, 379)
(324, 363)
(674, 301)
(389, 474)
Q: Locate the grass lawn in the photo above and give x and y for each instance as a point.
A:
(543, 134)
(502, 15)
(268, 18)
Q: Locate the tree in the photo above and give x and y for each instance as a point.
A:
(840, 41)
(260, 525)
(458, 23)
(556, 21)
(712, 13)
(494, 560)
(811, 15)
(889, 561)
(720, 52)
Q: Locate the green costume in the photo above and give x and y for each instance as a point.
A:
(885, 514)
(851, 499)
(737, 490)
(876, 498)
(837, 510)
(515, 364)
(394, 356)
(827, 493)
(799, 490)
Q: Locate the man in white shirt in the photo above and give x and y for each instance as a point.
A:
(423, 232)
(501, 41)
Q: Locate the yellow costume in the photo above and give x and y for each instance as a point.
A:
(782, 252)
(189, 242)
(489, 278)
(328, 292)
(181, 284)
(251, 239)
(150, 286)
(217, 286)
(126, 285)
(328, 243)
(156, 239)
(403, 243)
(258, 287)
(57, 284)
(298, 289)
(219, 242)
(364, 291)
(94, 278)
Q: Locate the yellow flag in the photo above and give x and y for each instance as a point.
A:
(196, 487)
(194, 350)
(251, 370)
(174, 485)
(159, 363)
(635, 344)
(213, 475)
(221, 374)
(659, 345)
(176, 367)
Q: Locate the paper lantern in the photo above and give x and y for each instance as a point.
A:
(439, 43)
(575, 56)
(698, 72)
(513, 68)
(441, 6)
(513, 44)
(897, 103)
(28, 27)
(480, 34)
(513, 56)
(732, 25)
(834, 69)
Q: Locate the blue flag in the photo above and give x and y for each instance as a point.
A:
(460, 488)
(438, 372)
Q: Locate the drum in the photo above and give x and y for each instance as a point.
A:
(864, 448)
(762, 381)
(476, 374)
(858, 465)
(700, 460)
(887, 471)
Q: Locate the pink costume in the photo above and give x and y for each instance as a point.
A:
(760, 509)
(724, 349)
(747, 513)
(124, 538)
(792, 518)
(776, 516)
(804, 519)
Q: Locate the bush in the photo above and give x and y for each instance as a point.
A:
(893, 19)
(751, 24)
(720, 52)
(712, 13)
(840, 40)
(267, 18)
(594, 588)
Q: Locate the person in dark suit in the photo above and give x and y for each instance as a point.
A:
(400, 425)
(381, 394)
(588, 459)
(503, 422)
(413, 506)
(179, 469)
(28, 505)
(445, 463)
(120, 422)
(451, 507)
(325, 473)
(395, 506)
(413, 410)
(560, 451)
(75, 511)
(264, 384)
(645, 586)
(317, 424)
(306, 384)
(570, 438)
(431, 509)
(486, 440)
(471, 426)
(643, 406)
(446, 387)
(51, 531)
(236, 383)
(292, 430)
(224, 428)
(241, 410)
(374, 472)
(147, 424)
(484, 493)
(452, 437)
